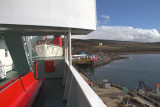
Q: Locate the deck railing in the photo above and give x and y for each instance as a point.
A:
(78, 92)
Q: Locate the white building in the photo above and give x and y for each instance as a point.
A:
(6, 63)
(158, 89)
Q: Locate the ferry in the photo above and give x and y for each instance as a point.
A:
(45, 81)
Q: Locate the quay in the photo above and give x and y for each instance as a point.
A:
(113, 96)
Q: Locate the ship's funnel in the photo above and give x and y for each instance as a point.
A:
(58, 40)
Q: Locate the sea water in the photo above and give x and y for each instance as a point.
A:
(128, 72)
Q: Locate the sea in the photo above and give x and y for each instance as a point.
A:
(128, 72)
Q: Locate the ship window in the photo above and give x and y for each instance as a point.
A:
(6, 53)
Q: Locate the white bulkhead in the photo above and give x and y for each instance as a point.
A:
(56, 13)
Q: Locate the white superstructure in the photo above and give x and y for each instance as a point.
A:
(51, 17)
(78, 14)
(6, 63)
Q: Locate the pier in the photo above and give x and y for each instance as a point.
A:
(114, 95)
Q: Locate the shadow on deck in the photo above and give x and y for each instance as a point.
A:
(51, 95)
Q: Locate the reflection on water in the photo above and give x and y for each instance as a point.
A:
(128, 72)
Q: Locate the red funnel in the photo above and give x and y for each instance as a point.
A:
(58, 40)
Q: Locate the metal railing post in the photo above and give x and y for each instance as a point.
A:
(29, 48)
(67, 86)
(73, 94)
(65, 54)
(70, 47)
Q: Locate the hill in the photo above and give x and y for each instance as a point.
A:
(91, 46)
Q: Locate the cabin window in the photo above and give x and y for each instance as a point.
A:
(6, 53)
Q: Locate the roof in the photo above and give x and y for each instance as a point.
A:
(158, 85)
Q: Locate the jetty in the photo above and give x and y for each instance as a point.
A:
(114, 96)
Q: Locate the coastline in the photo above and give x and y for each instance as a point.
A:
(107, 60)
(101, 94)
(116, 56)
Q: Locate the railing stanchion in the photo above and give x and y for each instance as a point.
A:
(67, 86)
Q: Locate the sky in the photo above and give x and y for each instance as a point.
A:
(127, 20)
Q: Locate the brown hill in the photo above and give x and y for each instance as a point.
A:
(119, 47)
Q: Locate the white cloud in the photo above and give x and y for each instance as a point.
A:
(122, 33)
(106, 18)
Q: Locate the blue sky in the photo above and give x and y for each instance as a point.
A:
(136, 13)
(127, 20)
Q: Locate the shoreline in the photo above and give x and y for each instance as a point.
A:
(116, 56)
(108, 60)
(99, 89)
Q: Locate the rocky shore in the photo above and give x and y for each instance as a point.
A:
(107, 59)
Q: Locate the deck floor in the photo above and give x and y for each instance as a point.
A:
(51, 95)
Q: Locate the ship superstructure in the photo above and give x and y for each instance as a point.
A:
(22, 19)
(6, 63)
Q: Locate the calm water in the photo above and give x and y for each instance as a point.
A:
(128, 72)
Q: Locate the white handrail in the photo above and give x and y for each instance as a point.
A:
(90, 95)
